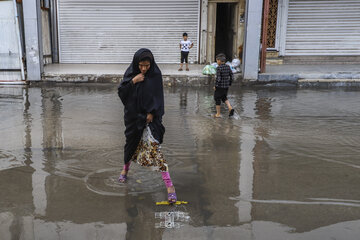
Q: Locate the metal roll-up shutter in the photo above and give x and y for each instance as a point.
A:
(323, 27)
(110, 31)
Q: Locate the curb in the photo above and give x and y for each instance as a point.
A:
(169, 80)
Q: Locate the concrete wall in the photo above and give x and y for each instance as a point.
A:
(251, 55)
(32, 27)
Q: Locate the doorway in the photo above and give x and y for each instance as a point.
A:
(225, 29)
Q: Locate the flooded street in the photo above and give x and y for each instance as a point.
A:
(285, 167)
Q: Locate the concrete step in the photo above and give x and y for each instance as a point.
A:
(272, 54)
(305, 60)
(169, 80)
(113, 73)
(274, 61)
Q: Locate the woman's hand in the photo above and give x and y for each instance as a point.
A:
(149, 118)
(138, 78)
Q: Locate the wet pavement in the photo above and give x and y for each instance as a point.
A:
(286, 167)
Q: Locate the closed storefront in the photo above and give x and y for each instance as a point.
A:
(322, 28)
(97, 31)
(11, 65)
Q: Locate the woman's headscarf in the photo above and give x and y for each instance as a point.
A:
(151, 89)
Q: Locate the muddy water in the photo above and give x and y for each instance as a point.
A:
(287, 166)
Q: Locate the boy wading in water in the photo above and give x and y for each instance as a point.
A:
(224, 78)
(185, 46)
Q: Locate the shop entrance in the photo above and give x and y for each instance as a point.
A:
(225, 29)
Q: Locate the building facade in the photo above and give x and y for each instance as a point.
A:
(79, 31)
(73, 32)
(325, 31)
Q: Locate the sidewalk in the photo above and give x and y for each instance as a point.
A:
(312, 75)
(299, 75)
(113, 73)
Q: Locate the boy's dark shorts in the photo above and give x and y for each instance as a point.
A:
(220, 95)
(184, 57)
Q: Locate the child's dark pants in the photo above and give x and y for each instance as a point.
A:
(184, 57)
(220, 95)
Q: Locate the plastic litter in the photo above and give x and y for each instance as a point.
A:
(209, 70)
(231, 67)
(214, 64)
(167, 203)
(235, 63)
(171, 219)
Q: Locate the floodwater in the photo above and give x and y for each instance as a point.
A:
(286, 167)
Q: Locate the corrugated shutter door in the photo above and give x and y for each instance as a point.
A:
(110, 31)
(323, 27)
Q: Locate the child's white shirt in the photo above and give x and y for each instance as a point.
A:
(185, 45)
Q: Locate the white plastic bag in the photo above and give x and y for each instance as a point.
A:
(235, 62)
(231, 67)
(214, 64)
(147, 136)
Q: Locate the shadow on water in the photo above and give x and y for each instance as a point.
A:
(286, 166)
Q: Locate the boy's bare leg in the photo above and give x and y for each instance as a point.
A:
(181, 66)
(228, 105)
(218, 107)
(187, 66)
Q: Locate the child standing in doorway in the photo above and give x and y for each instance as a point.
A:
(185, 46)
(224, 78)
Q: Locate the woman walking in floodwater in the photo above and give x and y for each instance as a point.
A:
(141, 92)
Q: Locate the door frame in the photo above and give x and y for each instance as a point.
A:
(281, 34)
(211, 28)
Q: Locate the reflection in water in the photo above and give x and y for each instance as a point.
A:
(246, 173)
(8, 161)
(27, 123)
(51, 144)
(345, 203)
(183, 98)
(6, 220)
(40, 229)
(288, 168)
(52, 122)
